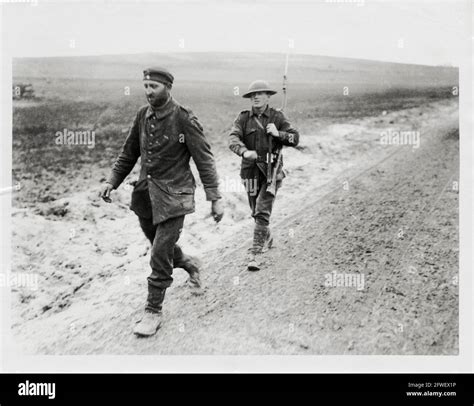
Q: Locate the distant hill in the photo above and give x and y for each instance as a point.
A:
(238, 67)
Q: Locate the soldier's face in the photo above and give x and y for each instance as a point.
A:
(155, 91)
(259, 99)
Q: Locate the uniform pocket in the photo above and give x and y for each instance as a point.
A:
(183, 197)
(249, 137)
(180, 190)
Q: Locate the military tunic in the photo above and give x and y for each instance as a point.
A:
(166, 139)
(249, 133)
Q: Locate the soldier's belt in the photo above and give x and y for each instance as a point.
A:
(263, 158)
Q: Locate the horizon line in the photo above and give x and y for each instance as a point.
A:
(450, 66)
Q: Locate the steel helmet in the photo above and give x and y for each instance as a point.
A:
(258, 86)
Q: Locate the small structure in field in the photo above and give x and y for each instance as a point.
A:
(23, 91)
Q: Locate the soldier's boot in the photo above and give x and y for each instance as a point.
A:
(192, 266)
(151, 320)
(259, 236)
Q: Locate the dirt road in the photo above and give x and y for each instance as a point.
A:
(365, 261)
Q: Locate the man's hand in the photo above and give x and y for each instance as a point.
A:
(271, 129)
(250, 155)
(105, 192)
(217, 210)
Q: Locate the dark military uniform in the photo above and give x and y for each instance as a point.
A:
(249, 133)
(165, 139)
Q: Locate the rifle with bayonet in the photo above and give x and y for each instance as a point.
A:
(272, 171)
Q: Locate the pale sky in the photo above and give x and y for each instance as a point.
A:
(422, 32)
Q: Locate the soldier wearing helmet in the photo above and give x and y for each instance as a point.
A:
(250, 139)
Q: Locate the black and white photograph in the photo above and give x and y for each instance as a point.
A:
(236, 178)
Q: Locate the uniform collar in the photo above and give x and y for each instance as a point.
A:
(163, 111)
(265, 113)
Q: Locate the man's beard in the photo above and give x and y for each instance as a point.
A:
(159, 100)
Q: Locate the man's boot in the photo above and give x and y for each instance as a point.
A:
(260, 234)
(152, 318)
(192, 266)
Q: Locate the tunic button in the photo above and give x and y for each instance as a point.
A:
(148, 176)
